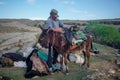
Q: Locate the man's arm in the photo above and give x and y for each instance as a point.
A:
(61, 24)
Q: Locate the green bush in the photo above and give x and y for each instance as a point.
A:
(105, 34)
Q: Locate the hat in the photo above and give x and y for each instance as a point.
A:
(54, 12)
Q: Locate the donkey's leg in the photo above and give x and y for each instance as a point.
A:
(88, 58)
(84, 53)
(66, 63)
(61, 63)
(88, 47)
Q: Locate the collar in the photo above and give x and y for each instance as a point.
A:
(52, 19)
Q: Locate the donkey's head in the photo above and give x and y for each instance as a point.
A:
(44, 37)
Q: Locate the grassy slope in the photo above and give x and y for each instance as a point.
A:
(76, 72)
(7, 29)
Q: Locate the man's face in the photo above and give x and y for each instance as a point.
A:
(54, 17)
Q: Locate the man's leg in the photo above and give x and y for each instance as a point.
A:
(49, 62)
(55, 56)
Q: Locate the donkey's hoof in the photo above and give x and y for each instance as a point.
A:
(82, 65)
(88, 65)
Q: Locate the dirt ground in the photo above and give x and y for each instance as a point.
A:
(104, 65)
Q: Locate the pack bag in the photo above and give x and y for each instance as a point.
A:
(6, 62)
(39, 64)
(36, 65)
(44, 57)
(79, 35)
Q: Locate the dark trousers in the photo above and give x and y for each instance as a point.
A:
(50, 59)
(49, 62)
(55, 56)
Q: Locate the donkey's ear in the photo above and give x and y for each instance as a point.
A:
(40, 26)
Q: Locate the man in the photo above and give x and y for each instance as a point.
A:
(55, 24)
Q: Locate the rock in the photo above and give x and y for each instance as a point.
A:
(119, 70)
(92, 54)
(97, 70)
(118, 55)
(118, 51)
(111, 71)
(75, 58)
(118, 62)
(79, 59)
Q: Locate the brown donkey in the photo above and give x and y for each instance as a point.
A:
(57, 40)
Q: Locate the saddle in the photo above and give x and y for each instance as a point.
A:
(71, 38)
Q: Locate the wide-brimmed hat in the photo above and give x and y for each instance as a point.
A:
(54, 12)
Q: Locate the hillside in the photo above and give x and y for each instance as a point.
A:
(33, 23)
(24, 24)
(18, 34)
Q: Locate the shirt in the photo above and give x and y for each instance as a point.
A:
(53, 24)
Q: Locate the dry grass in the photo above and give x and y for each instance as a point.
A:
(7, 29)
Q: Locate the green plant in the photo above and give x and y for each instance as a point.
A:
(105, 34)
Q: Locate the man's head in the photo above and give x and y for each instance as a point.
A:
(54, 13)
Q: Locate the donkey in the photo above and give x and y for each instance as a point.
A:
(58, 41)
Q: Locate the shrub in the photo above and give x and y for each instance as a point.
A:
(104, 33)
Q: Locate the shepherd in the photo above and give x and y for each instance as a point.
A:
(56, 25)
